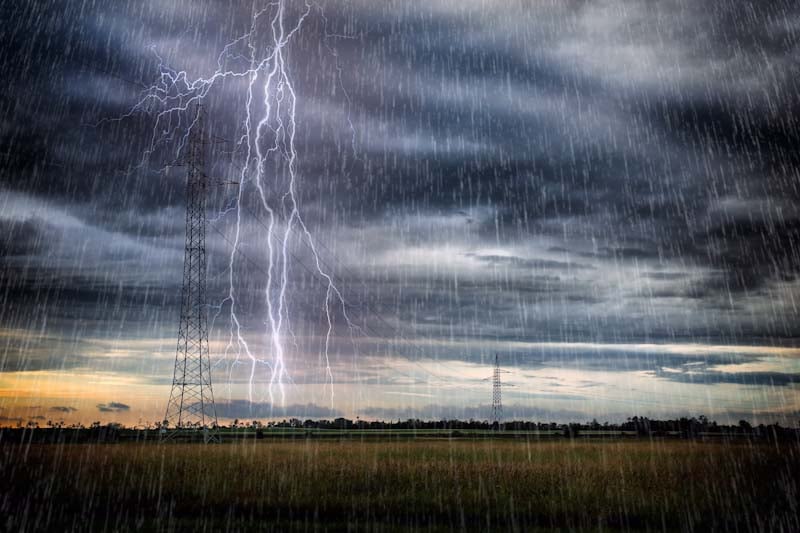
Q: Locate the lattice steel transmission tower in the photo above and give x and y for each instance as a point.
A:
(497, 396)
(191, 402)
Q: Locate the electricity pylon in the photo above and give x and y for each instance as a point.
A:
(191, 402)
(497, 396)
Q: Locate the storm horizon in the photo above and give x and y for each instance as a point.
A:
(602, 195)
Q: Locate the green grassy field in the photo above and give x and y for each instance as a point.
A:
(397, 485)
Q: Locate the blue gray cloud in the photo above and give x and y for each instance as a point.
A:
(113, 407)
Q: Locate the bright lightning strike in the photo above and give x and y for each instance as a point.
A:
(269, 170)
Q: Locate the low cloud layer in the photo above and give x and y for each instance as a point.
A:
(246, 410)
(63, 409)
(113, 407)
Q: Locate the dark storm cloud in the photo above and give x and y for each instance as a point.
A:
(21, 353)
(669, 276)
(751, 251)
(622, 253)
(705, 376)
(63, 409)
(113, 407)
(521, 262)
(21, 238)
(607, 358)
(619, 133)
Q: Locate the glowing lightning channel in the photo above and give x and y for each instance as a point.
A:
(171, 99)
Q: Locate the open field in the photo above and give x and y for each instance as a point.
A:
(395, 485)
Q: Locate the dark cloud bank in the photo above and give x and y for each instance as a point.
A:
(113, 407)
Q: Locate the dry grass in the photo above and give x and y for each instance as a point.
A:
(396, 485)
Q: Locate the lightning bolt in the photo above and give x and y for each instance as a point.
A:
(268, 135)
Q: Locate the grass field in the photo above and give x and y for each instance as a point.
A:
(397, 485)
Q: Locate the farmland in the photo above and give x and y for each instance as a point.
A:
(475, 484)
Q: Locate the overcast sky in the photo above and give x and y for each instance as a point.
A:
(606, 194)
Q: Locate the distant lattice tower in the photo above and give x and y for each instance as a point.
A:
(191, 402)
(497, 396)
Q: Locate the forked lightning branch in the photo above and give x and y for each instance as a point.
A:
(270, 174)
